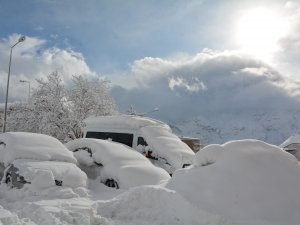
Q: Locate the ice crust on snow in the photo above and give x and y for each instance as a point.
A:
(244, 180)
(120, 162)
(21, 145)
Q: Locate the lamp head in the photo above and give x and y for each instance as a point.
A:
(22, 38)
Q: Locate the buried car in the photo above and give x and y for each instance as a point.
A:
(151, 137)
(117, 165)
(37, 159)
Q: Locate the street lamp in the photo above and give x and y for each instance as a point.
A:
(151, 111)
(26, 81)
(21, 39)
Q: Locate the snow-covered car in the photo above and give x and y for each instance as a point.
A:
(151, 137)
(39, 160)
(117, 165)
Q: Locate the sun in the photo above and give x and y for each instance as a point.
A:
(259, 31)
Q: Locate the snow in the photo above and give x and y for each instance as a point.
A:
(120, 162)
(243, 180)
(42, 174)
(21, 145)
(162, 142)
(294, 139)
(167, 145)
(122, 122)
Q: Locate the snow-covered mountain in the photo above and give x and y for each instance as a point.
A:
(271, 127)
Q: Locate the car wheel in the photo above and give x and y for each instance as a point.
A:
(8, 180)
(111, 183)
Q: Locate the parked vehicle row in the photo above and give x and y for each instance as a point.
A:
(37, 159)
(43, 161)
(116, 164)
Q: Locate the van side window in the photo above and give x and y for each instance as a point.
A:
(141, 141)
(123, 138)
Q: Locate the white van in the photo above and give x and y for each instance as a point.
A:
(151, 137)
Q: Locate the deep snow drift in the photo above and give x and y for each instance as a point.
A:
(239, 183)
(245, 180)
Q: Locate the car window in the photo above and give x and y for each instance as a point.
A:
(123, 138)
(141, 141)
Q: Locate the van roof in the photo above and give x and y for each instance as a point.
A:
(122, 122)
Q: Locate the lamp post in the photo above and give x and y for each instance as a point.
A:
(21, 39)
(26, 81)
(151, 111)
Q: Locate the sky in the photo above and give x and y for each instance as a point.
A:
(188, 57)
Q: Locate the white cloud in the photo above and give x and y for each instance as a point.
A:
(207, 84)
(287, 58)
(179, 82)
(31, 59)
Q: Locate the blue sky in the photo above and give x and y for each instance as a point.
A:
(113, 33)
(177, 51)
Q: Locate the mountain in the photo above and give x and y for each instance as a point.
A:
(271, 127)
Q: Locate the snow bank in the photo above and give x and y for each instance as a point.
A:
(167, 145)
(156, 205)
(121, 163)
(8, 218)
(244, 180)
(21, 145)
(43, 174)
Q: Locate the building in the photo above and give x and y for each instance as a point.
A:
(292, 145)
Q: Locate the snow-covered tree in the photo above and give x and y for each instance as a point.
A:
(87, 98)
(58, 112)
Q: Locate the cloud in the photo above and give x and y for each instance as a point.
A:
(287, 58)
(32, 60)
(209, 84)
(179, 82)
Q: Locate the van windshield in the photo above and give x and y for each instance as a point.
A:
(123, 138)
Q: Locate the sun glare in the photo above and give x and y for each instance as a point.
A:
(259, 31)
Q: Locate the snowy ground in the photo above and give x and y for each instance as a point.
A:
(103, 205)
(239, 183)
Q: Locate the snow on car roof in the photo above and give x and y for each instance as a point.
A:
(22, 145)
(108, 152)
(167, 145)
(294, 139)
(122, 122)
(121, 162)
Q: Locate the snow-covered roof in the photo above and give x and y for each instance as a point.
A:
(22, 145)
(121, 122)
(122, 163)
(294, 139)
(167, 145)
